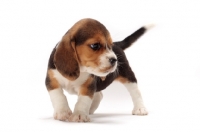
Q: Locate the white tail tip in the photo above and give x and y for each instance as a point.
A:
(149, 26)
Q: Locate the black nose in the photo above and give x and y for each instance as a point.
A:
(112, 61)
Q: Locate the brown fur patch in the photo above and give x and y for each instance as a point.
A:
(87, 56)
(51, 81)
(122, 79)
(65, 59)
(103, 78)
(85, 90)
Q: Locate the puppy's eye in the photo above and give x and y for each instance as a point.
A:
(95, 46)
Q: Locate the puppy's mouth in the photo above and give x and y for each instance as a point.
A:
(108, 70)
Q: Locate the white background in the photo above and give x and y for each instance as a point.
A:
(166, 61)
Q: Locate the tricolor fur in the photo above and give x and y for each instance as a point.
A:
(85, 62)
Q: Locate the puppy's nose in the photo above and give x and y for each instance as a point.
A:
(112, 61)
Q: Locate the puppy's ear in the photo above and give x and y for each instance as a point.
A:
(65, 58)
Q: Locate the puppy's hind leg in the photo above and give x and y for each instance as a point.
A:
(95, 102)
(139, 108)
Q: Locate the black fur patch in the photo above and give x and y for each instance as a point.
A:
(51, 62)
(128, 41)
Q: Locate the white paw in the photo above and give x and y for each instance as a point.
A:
(62, 114)
(139, 111)
(79, 118)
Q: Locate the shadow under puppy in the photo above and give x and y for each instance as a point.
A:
(85, 62)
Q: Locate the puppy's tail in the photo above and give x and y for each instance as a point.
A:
(128, 41)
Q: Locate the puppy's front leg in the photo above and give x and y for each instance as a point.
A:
(81, 110)
(60, 104)
(82, 107)
(58, 99)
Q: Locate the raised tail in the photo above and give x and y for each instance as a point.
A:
(128, 41)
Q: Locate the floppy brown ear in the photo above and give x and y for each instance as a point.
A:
(65, 59)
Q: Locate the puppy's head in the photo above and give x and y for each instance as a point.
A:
(86, 47)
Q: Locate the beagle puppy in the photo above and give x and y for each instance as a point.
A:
(85, 62)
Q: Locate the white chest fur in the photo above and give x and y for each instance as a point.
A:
(71, 87)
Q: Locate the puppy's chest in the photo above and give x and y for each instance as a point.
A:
(71, 87)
